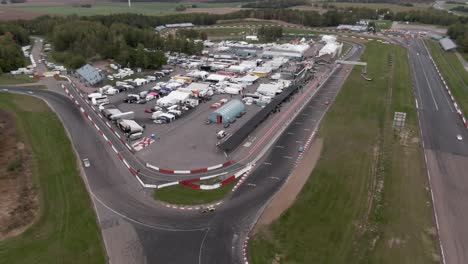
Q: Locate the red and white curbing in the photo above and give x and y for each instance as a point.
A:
(121, 158)
(244, 250)
(457, 108)
(201, 170)
(243, 178)
(189, 208)
(192, 182)
(143, 143)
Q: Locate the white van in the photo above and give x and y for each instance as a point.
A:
(175, 112)
(156, 114)
(143, 94)
(151, 78)
(112, 91)
(170, 117)
(99, 100)
(135, 136)
(149, 97)
(174, 107)
(92, 95)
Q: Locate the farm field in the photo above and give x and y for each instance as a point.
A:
(155, 8)
(375, 207)
(66, 229)
(392, 7)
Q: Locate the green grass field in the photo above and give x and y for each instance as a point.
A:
(183, 195)
(7, 79)
(366, 200)
(453, 72)
(221, 32)
(244, 22)
(383, 24)
(66, 230)
(392, 7)
(449, 6)
(155, 8)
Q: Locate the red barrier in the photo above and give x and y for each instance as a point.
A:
(199, 170)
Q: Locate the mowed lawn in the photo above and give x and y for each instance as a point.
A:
(66, 230)
(367, 199)
(154, 8)
(453, 72)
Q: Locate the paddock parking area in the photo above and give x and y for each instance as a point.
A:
(179, 115)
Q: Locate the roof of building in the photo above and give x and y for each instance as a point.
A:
(233, 106)
(447, 44)
(179, 25)
(435, 36)
(216, 77)
(268, 88)
(198, 86)
(262, 70)
(90, 74)
(248, 78)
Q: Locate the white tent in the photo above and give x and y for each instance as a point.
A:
(332, 49)
(268, 89)
(172, 98)
(217, 78)
(198, 86)
(247, 79)
(329, 38)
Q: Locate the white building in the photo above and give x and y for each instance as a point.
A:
(287, 50)
(332, 49)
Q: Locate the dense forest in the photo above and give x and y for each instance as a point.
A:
(459, 32)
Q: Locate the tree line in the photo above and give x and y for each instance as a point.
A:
(11, 56)
(275, 3)
(12, 37)
(124, 37)
(459, 32)
(269, 34)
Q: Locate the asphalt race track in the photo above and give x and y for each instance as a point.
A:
(136, 229)
(446, 157)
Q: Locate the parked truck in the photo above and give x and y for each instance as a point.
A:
(127, 115)
(108, 113)
(130, 126)
(99, 100)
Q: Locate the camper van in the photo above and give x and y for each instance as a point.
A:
(99, 100)
(135, 136)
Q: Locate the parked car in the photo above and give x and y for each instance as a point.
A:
(86, 163)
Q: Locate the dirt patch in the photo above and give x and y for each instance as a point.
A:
(19, 202)
(213, 10)
(15, 14)
(286, 196)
